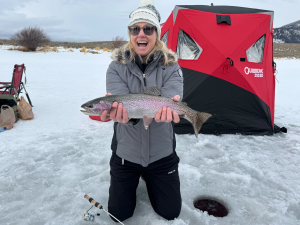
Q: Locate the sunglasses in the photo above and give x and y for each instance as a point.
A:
(135, 30)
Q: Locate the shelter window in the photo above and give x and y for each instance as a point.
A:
(256, 52)
(164, 38)
(187, 48)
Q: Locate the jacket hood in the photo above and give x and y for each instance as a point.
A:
(118, 55)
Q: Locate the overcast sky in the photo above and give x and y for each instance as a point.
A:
(101, 20)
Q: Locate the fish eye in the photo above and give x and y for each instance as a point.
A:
(90, 106)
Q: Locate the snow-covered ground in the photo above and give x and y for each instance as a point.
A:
(49, 163)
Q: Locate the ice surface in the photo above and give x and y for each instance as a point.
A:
(49, 163)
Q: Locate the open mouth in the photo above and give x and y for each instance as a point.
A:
(85, 112)
(142, 44)
(91, 110)
(87, 109)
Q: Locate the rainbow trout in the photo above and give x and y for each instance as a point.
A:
(145, 106)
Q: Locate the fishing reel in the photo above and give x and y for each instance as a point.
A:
(89, 216)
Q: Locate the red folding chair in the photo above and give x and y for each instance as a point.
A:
(16, 85)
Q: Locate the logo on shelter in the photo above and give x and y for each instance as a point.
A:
(256, 72)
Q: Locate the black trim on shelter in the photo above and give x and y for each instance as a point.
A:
(223, 19)
(223, 9)
(234, 109)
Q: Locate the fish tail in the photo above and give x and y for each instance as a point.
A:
(197, 119)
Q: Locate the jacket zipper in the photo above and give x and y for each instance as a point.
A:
(144, 76)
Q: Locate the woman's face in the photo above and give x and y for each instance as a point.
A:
(142, 43)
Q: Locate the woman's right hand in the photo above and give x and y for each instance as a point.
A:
(118, 113)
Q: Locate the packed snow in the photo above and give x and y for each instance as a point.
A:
(49, 163)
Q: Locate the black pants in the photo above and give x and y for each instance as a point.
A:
(162, 182)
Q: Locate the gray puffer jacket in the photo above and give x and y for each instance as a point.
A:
(132, 141)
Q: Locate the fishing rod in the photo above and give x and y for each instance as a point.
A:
(90, 216)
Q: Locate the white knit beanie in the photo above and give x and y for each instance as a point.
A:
(147, 13)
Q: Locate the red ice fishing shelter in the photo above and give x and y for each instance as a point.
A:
(226, 56)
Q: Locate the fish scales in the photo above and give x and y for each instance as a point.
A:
(145, 106)
(140, 105)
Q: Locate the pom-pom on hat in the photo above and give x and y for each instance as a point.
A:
(147, 13)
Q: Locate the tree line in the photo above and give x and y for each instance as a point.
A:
(33, 37)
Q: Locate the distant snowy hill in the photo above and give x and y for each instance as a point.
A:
(289, 33)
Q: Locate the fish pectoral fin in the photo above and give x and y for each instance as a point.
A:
(147, 121)
(152, 91)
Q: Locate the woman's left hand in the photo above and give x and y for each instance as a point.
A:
(166, 114)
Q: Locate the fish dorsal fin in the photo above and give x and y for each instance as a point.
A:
(152, 91)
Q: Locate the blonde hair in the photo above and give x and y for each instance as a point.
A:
(159, 45)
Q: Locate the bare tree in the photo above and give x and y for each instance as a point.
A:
(117, 42)
(31, 37)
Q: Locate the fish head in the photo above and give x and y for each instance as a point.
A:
(88, 109)
(95, 107)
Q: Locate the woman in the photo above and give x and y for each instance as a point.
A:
(142, 63)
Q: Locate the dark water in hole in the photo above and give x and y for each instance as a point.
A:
(212, 207)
